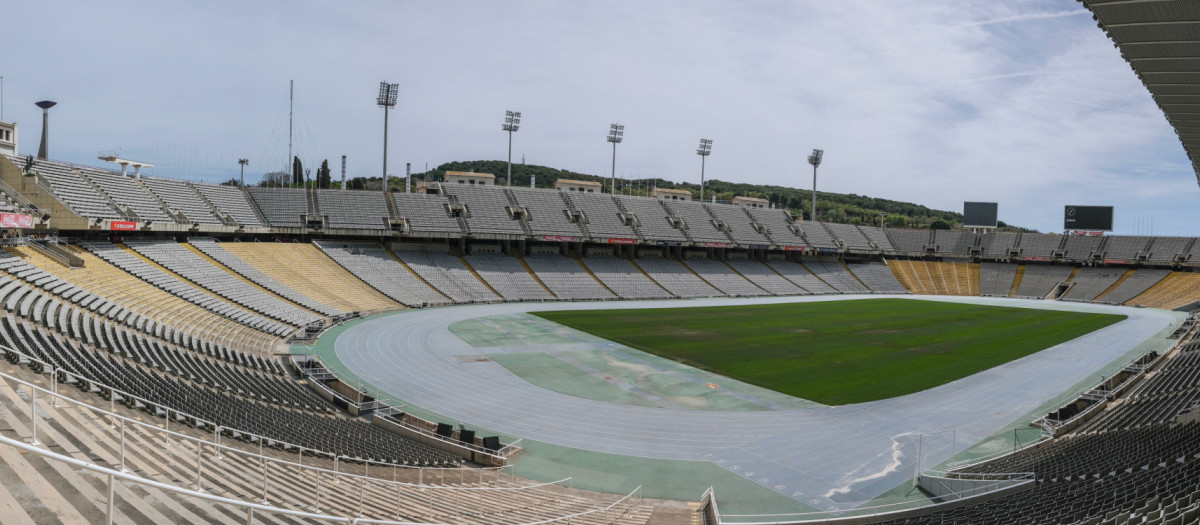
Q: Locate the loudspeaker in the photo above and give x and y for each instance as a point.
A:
(466, 436)
(491, 442)
(444, 429)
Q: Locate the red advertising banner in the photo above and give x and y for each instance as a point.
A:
(715, 244)
(793, 248)
(1116, 261)
(15, 220)
(1084, 233)
(558, 238)
(122, 225)
(614, 240)
(1033, 258)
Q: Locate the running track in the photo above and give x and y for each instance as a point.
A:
(830, 457)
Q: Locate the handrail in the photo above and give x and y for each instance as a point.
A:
(500, 454)
(259, 456)
(259, 438)
(1022, 478)
(114, 475)
(450, 499)
(16, 196)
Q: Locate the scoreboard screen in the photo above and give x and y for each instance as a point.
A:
(1096, 218)
(979, 214)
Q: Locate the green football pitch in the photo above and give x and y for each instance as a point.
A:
(839, 352)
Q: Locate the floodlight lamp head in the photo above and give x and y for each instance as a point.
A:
(243, 161)
(815, 158)
(512, 121)
(387, 94)
(705, 148)
(46, 104)
(616, 133)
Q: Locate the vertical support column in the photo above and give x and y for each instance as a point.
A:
(33, 440)
(108, 513)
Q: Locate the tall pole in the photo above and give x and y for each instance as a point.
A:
(613, 178)
(291, 103)
(343, 173)
(616, 133)
(814, 193)
(387, 99)
(385, 126)
(703, 151)
(1, 98)
(815, 160)
(512, 122)
(243, 163)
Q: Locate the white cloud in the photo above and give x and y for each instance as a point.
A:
(1026, 103)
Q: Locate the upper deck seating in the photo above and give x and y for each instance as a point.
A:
(182, 196)
(548, 213)
(602, 215)
(426, 213)
(487, 209)
(350, 209)
(282, 207)
(231, 200)
(653, 220)
(699, 222)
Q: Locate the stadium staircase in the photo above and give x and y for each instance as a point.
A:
(1016, 285)
(656, 283)
(124, 211)
(632, 219)
(718, 223)
(593, 276)
(240, 277)
(192, 459)
(851, 274)
(535, 277)
(262, 217)
(1124, 277)
(576, 216)
(471, 269)
(178, 216)
(296, 264)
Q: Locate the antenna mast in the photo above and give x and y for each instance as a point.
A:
(291, 98)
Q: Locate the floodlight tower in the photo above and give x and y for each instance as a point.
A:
(387, 100)
(815, 160)
(243, 163)
(45, 105)
(616, 133)
(512, 122)
(703, 151)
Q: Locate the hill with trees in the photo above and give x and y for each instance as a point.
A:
(832, 207)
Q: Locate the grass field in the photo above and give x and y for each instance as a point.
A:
(839, 352)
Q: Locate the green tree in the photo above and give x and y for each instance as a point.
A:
(297, 172)
(323, 178)
(274, 178)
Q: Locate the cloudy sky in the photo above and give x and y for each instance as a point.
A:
(1025, 103)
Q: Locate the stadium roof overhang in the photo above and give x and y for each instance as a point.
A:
(1161, 41)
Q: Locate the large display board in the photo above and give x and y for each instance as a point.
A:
(979, 214)
(1094, 218)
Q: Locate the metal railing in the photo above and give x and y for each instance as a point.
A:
(316, 376)
(997, 482)
(609, 514)
(114, 394)
(440, 492)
